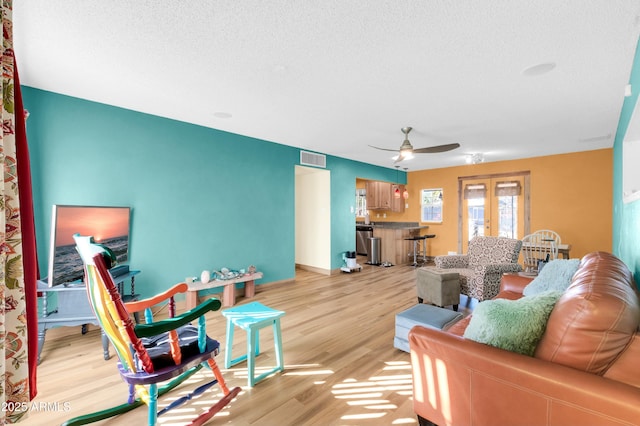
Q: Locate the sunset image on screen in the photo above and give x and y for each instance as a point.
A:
(100, 222)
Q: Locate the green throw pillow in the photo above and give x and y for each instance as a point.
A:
(513, 325)
(556, 275)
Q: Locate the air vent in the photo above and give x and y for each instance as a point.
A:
(313, 159)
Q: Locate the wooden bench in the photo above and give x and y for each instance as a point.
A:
(229, 291)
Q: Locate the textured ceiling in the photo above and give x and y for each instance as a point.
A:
(337, 76)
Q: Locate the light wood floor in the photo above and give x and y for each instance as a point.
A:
(340, 364)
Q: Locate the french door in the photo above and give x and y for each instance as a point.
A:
(493, 206)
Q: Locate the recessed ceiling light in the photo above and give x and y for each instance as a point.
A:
(539, 69)
(221, 114)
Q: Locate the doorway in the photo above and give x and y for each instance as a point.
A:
(493, 205)
(313, 219)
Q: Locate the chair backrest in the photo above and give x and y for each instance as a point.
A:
(540, 245)
(108, 306)
(551, 239)
(485, 250)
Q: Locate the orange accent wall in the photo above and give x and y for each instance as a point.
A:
(571, 194)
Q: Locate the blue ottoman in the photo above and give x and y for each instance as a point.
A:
(424, 315)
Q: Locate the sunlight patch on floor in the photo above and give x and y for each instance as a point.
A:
(369, 400)
(372, 396)
(193, 407)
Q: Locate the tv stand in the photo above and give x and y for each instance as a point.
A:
(67, 305)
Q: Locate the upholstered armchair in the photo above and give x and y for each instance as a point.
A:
(481, 269)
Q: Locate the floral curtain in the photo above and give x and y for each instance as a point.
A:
(18, 270)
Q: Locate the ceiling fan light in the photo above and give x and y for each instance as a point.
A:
(406, 155)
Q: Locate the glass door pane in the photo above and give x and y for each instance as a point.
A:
(492, 207)
(475, 217)
(476, 209)
(507, 201)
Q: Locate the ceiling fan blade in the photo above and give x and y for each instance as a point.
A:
(384, 149)
(436, 149)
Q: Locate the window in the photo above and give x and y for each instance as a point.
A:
(431, 205)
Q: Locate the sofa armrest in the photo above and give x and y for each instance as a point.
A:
(452, 261)
(501, 268)
(514, 282)
(458, 381)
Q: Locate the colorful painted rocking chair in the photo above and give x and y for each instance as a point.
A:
(169, 350)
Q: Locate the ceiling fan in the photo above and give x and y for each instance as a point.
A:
(406, 149)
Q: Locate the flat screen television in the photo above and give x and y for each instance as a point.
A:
(107, 225)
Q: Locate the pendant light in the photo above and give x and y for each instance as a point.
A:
(405, 194)
(396, 192)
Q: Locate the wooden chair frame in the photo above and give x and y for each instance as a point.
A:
(135, 365)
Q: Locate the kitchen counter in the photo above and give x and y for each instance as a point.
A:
(395, 225)
(394, 247)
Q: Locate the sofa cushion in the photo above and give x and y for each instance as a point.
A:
(556, 275)
(513, 325)
(596, 317)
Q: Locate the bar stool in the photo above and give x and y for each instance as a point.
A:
(251, 318)
(426, 237)
(416, 248)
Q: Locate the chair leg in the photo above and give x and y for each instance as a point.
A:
(132, 394)
(252, 351)
(213, 365)
(415, 249)
(153, 404)
(229, 348)
(277, 337)
(222, 402)
(228, 395)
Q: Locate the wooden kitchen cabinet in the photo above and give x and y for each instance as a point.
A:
(379, 195)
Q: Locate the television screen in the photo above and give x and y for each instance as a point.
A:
(107, 225)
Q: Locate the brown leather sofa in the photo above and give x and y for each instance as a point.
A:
(585, 371)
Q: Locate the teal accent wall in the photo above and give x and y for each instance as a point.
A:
(626, 217)
(201, 198)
